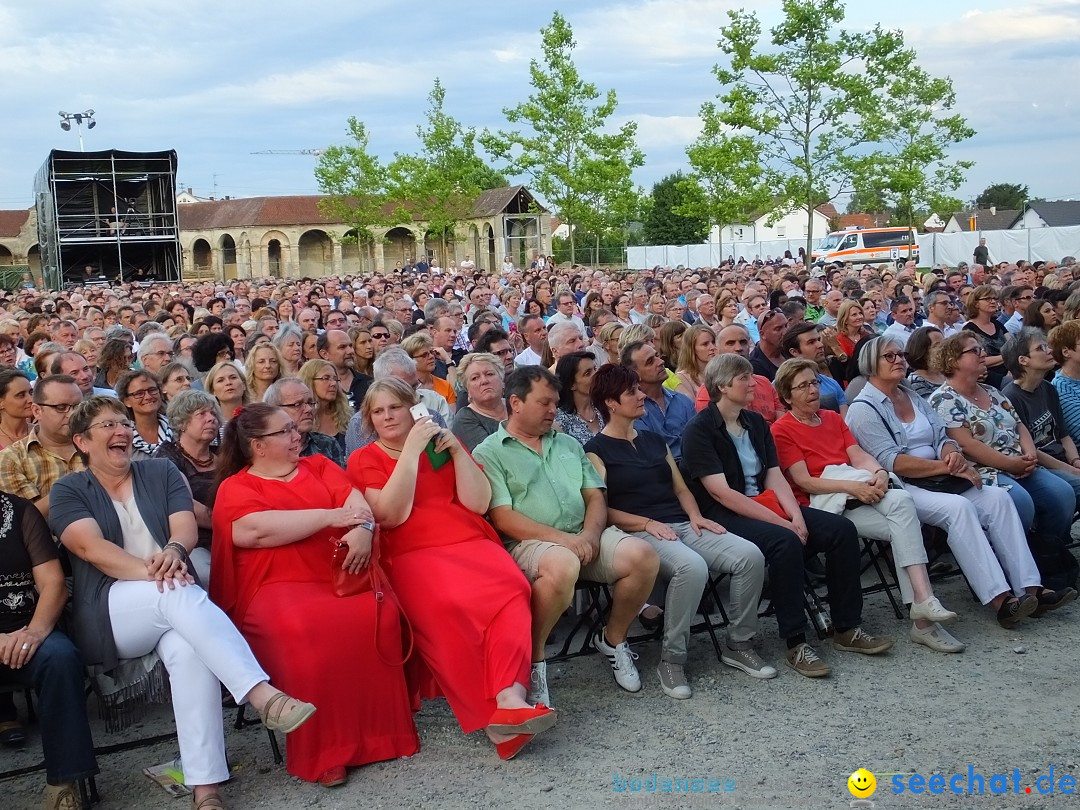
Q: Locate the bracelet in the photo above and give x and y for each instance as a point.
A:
(178, 548)
(367, 524)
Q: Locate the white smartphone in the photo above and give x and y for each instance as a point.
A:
(419, 411)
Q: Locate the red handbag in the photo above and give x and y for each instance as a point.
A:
(371, 578)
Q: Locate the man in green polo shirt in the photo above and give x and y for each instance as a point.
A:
(547, 502)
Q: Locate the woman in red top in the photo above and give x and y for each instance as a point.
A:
(275, 517)
(466, 598)
(851, 326)
(808, 440)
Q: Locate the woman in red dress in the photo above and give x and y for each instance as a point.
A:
(467, 600)
(274, 518)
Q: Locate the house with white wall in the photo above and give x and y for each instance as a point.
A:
(792, 225)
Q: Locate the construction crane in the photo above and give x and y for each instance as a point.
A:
(314, 152)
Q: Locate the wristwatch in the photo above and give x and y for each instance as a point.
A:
(367, 524)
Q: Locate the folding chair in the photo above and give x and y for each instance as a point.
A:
(711, 599)
(242, 722)
(875, 551)
(589, 619)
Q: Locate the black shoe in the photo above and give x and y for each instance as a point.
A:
(1012, 610)
(12, 734)
(1052, 600)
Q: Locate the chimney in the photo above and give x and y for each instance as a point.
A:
(189, 191)
(993, 210)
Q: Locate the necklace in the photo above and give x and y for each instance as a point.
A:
(198, 462)
(594, 416)
(499, 417)
(812, 423)
(14, 438)
(387, 447)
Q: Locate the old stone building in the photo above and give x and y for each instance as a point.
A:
(290, 236)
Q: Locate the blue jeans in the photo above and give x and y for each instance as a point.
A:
(56, 674)
(1072, 479)
(1045, 502)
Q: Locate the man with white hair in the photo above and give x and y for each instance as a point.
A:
(155, 352)
(563, 339)
(293, 396)
(394, 361)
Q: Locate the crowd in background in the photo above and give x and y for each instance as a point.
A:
(194, 455)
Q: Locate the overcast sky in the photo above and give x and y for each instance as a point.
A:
(219, 80)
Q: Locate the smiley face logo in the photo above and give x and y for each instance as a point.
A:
(862, 784)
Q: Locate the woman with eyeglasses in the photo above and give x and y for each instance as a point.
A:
(826, 468)
(174, 378)
(137, 611)
(981, 309)
(196, 420)
(277, 517)
(990, 433)
(907, 437)
(140, 393)
(332, 409)
(421, 349)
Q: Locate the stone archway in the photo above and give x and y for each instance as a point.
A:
(228, 256)
(7, 258)
(202, 258)
(316, 253)
(33, 258)
(400, 246)
(276, 247)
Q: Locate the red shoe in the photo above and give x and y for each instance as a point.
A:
(532, 720)
(511, 748)
(333, 777)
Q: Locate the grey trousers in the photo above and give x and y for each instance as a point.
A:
(684, 567)
(894, 520)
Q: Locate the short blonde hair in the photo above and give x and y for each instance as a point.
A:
(396, 387)
(480, 357)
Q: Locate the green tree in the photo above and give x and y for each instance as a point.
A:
(910, 169)
(663, 225)
(728, 184)
(1008, 196)
(440, 183)
(354, 181)
(566, 150)
(805, 96)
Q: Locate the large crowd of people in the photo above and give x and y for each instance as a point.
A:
(235, 476)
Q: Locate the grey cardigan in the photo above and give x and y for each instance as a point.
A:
(160, 491)
(878, 430)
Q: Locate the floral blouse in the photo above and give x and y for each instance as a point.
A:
(996, 427)
(573, 425)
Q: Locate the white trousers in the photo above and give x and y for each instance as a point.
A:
(994, 561)
(894, 520)
(200, 648)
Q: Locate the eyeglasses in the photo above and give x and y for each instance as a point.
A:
(987, 298)
(60, 408)
(300, 403)
(112, 424)
(892, 357)
(1039, 347)
(162, 353)
(1026, 297)
(806, 385)
(976, 350)
(144, 393)
(380, 335)
(504, 352)
(289, 428)
(181, 378)
(326, 378)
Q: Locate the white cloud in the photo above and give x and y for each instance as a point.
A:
(1058, 20)
(662, 131)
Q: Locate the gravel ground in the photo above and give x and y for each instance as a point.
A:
(1009, 701)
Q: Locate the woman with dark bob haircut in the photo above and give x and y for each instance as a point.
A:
(923, 378)
(211, 349)
(648, 497)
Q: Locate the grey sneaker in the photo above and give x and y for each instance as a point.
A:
(622, 662)
(936, 637)
(673, 680)
(804, 659)
(748, 661)
(538, 685)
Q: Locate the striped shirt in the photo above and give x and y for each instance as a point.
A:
(1069, 393)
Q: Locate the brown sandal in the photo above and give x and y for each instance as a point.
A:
(275, 717)
(211, 802)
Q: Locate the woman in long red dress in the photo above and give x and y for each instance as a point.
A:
(467, 600)
(274, 517)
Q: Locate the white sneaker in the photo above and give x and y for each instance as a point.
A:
(931, 611)
(538, 685)
(622, 662)
(936, 638)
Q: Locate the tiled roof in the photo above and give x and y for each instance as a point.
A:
(1000, 220)
(11, 222)
(1058, 213)
(304, 210)
(863, 220)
